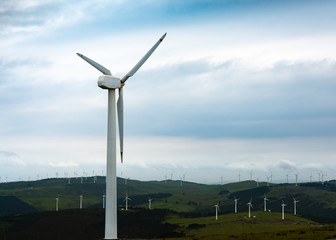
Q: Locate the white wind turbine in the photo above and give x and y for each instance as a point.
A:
(295, 201)
(81, 201)
(150, 203)
(57, 201)
(265, 200)
(126, 201)
(110, 83)
(283, 205)
(296, 179)
(322, 177)
(249, 207)
(236, 201)
(267, 180)
(217, 209)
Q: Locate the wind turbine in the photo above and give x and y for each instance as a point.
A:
(296, 179)
(57, 201)
(283, 205)
(81, 201)
(265, 199)
(295, 201)
(106, 81)
(249, 208)
(217, 209)
(236, 201)
(126, 201)
(150, 203)
(323, 175)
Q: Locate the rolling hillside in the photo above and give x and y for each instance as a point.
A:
(317, 201)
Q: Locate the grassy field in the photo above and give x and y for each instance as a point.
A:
(239, 223)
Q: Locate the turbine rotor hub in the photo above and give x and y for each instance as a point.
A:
(109, 82)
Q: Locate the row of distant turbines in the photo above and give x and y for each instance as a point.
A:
(126, 199)
(85, 175)
(269, 178)
(249, 204)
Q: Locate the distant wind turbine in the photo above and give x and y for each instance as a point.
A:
(283, 205)
(150, 203)
(295, 201)
(249, 207)
(57, 201)
(126, 201)
(265, 200)
(106, 81)
(217, 209)
(81, 201)
(296, 179)
(322, 177)
(236, 201)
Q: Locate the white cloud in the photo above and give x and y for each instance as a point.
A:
(286, 165)
(63, 164)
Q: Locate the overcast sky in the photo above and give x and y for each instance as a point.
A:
(236, 87)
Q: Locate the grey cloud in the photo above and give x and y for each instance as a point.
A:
(286, 165)
(287, 100)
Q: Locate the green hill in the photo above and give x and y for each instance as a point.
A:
(317, 201)
(181, 210)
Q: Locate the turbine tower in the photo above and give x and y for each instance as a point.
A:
(296, 179)
(150, 203)
(57, 201)
(295, 201)
(265, 199)
(249, 208)
(81, 201)
(236, 201)
(283, 205)
(126, 201)
(217, 209)
(106, 81)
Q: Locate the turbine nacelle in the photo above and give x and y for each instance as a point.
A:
(109, 82)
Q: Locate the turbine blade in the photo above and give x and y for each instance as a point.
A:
(143, 60)
(95, 65)
(120, 108)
